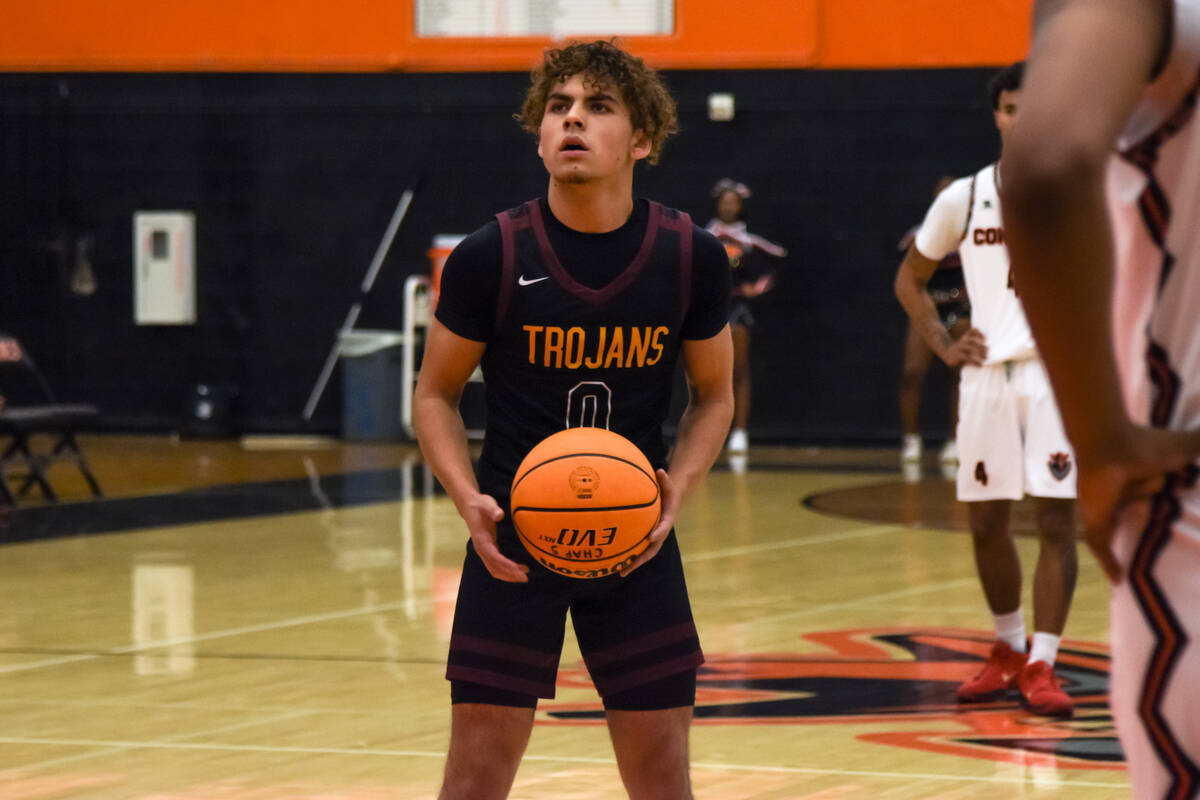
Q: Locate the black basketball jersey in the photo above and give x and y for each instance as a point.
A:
(562, 354)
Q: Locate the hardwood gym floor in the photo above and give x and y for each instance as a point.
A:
(269, 620)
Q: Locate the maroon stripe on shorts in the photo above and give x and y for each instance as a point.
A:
(643, 644)
(501, 665)
(607, 686)
(644, 659)
(509, 652)
(500, 680)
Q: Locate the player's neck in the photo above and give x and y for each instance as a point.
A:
(591, 207)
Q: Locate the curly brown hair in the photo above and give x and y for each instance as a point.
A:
(651, 107)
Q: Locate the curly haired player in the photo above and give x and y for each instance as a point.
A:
(577, 306)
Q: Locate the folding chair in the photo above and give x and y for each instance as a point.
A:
(28, 407)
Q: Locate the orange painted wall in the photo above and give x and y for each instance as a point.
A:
(377, 35)
(925, 33)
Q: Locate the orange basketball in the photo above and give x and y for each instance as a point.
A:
(584, 501)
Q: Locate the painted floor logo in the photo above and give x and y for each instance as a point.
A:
(889, 675)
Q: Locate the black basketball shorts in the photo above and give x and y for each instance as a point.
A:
(632, 631)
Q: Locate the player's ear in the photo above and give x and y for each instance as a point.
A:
(642, 145)
(539, 150)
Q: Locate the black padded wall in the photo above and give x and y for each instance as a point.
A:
(293, 179)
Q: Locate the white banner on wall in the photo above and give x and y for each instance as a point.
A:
(554, 18)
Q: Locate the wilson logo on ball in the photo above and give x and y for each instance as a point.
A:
(584, 481)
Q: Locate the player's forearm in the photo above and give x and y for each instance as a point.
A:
(1057, 231)
(922, 312)
(1087, 67)
(442, 436)
(701, 435)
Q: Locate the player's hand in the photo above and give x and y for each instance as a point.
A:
(670, 507)
(969, 349)
(481, 514)
(1131, 467)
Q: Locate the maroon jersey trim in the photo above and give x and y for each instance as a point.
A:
(682, 225)
(616, 285)
(508, 226)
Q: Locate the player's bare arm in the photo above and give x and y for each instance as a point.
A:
(1088, 64)
(702, 429)
(912, 278)
(445, 369)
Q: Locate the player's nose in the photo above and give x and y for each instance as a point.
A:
(573, 118)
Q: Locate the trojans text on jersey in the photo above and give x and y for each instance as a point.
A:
(600, 347)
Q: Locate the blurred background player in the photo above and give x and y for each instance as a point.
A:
(1010, 438)
(1111, 103)
(750, 280)
(949, 294)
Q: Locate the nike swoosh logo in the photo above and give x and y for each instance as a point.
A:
(523, 281)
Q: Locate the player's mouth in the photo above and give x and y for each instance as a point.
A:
(572, 144)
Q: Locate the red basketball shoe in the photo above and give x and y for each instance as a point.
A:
(1042, 692)
(998, 675)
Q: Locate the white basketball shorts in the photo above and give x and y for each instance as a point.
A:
(1010, 436)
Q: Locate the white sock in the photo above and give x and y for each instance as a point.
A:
(1010, 628)
(1045, 647)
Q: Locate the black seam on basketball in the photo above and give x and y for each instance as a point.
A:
(577, 455)
(587, 509)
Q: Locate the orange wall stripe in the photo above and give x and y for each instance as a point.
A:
(925, 33)
(379, 35)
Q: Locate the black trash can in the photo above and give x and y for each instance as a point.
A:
(372, 366)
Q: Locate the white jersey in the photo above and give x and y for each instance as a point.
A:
(1154, 201)
(966, 217)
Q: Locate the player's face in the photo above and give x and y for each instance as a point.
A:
(586, 133)
(1006, 112)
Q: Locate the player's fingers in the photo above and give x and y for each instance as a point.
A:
(646, 555)
(499, 565)
(508, 571)
(661, 529)
(670, 506)
(666, 488)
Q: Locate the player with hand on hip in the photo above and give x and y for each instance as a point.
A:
(1010, 437)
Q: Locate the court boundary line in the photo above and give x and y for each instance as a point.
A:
(370, 751)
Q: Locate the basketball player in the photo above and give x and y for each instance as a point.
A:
(1010, 438)
(749, 282)
(578, 306)
(1111, 104)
